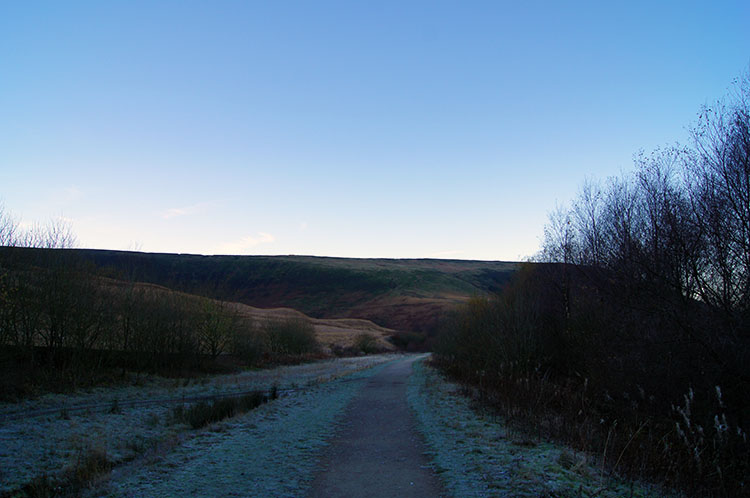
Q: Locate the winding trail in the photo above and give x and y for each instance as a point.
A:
(377, 451)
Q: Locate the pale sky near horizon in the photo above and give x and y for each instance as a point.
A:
(359, 129)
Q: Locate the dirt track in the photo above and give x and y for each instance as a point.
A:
(377, 451)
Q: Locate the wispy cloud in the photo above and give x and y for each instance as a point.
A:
(245, 243)
(72, 193)
(184, 211)
(64, 196)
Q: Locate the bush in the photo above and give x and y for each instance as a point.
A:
(410, 341)
(248, 343)
(294, 336)
(366, 343)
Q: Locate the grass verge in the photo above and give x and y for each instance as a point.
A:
(476, 454)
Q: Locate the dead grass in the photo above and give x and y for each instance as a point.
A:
(91, 464)
(207, 412)
(333, 333)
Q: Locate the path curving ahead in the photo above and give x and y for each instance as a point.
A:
(377, 450)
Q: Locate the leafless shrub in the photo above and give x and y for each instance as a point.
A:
(293, 336)
(366, 343)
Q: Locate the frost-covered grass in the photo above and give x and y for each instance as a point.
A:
(33, 445)
(476, 455)
(271, 451)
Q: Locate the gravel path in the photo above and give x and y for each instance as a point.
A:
(377, 450)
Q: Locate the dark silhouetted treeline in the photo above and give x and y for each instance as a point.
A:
(62, 325)
(633, 339)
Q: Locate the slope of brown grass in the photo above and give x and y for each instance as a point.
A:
(330, 332)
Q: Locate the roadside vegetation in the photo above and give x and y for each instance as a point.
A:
(290, 337)
(477, 454)
(366, 344)
(204, 413)
(631, 339)
(62, 326)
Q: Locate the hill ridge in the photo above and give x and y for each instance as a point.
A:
(406, 294)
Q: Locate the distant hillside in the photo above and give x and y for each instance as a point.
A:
(331, 332)
(402, 294)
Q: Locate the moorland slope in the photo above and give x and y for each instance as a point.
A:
(401, 294)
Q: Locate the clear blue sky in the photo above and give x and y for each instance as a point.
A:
(362, 129)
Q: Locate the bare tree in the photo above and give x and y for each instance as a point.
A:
(587, 215)
(721, 198)
(8, 228)
(215, 324)
(56, 234)
(560, 245)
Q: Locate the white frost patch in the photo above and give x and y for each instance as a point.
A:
(270, 451)
(33, 445)
(475, 456)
